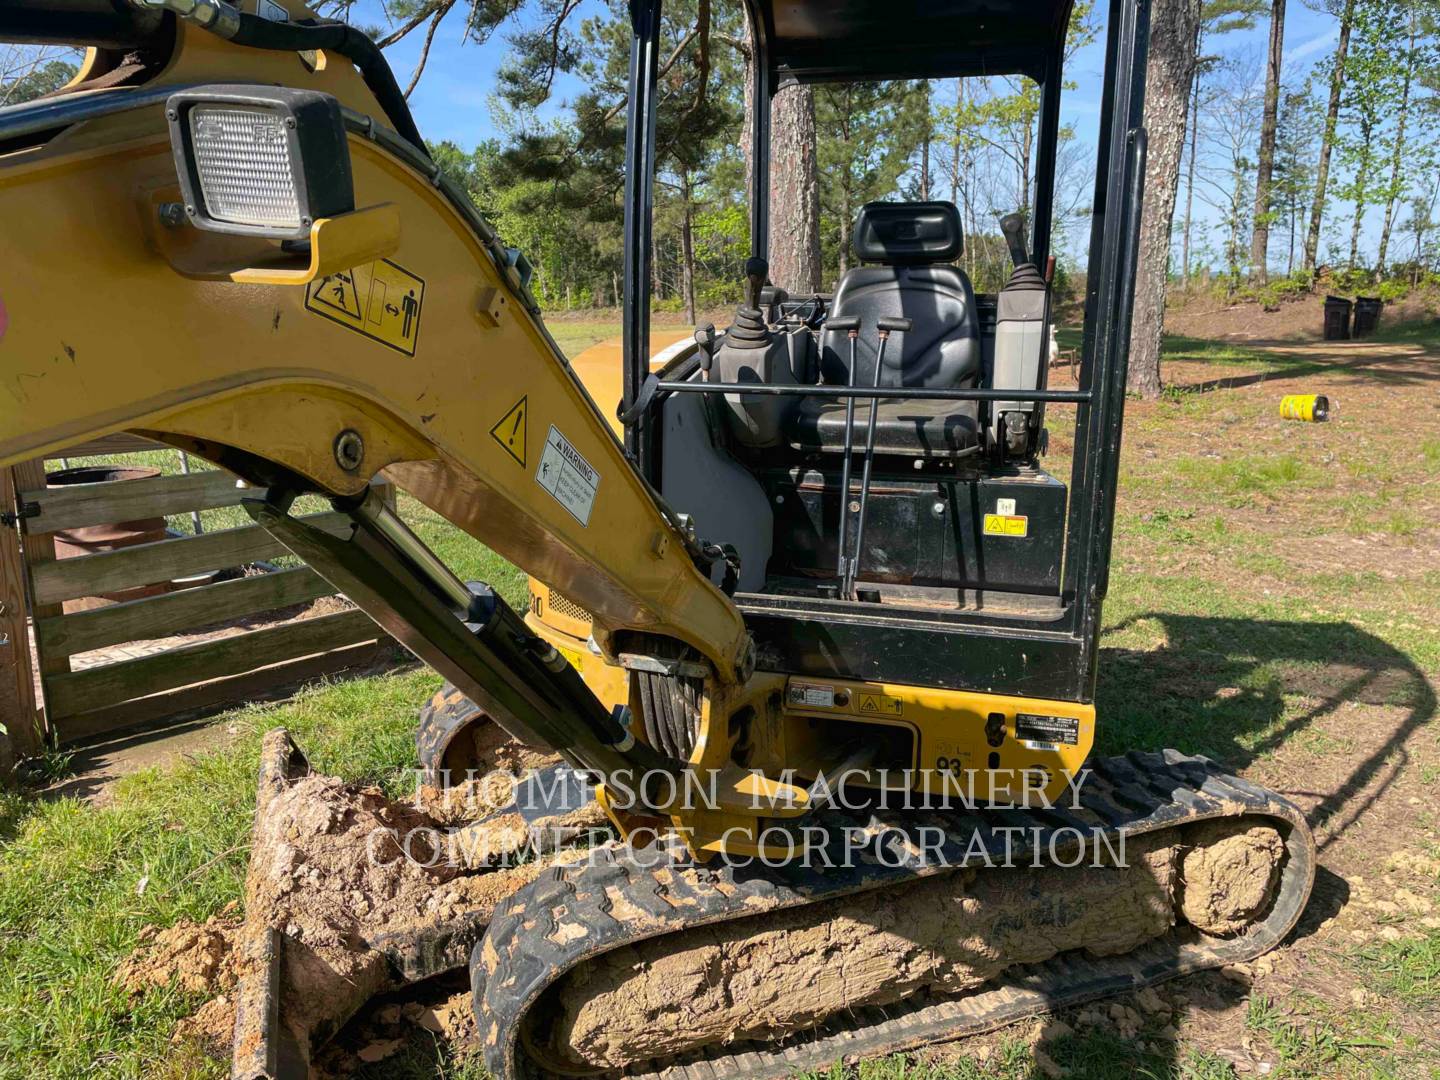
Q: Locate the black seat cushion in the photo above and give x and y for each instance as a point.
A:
(912, 428)
(941, 349)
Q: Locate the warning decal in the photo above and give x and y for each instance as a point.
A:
(510, 431)
(567, 476)
(881, 705)
(381, 300)
(1006, 525)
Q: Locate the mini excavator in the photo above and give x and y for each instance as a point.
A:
(817, 541)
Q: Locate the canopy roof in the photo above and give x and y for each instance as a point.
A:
(842, 40)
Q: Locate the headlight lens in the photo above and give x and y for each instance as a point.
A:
(265, 161)
(242, 160)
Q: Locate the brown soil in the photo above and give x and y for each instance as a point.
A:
(948, 934)
(337, 869)
(210, 1028)
(494, 762)
(196, 957)
(1292, 320)
(1227, 879)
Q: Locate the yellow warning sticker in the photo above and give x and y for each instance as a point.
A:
(573, 657)
(381, 300)
(881, 705)
(1006, 524)
(510, 431)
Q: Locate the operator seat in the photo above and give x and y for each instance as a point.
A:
(913, 243)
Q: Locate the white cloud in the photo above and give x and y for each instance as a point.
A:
(1311, 46)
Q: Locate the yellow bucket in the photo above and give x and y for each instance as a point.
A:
(1312, 408)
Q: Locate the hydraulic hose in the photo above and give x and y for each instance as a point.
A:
(255, 32)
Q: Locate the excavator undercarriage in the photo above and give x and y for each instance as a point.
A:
(801, 706)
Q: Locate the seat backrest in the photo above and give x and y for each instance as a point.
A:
(913, 242)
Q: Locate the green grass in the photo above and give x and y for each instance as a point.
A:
(1407, 970)
(574, 337)
(1251, 474)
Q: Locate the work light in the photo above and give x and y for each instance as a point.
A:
(260, 160)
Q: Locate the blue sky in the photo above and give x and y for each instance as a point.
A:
(453, 99)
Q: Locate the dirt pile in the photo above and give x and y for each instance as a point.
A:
(339, 870)
(1227, 878)
(196, 957)
(210, 1027)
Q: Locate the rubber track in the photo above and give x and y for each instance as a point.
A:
(569, 916)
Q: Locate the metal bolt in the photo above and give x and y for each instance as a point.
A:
(172, 215)
(938, 508)
(854, 506)
(289, 121)
(779, 500)
(349, 449)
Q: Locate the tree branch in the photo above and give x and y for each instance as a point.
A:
(425, 49)
(410, 24)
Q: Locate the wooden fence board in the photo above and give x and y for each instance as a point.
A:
(92, 688)
(267, 683)
(21, 735)
(164, 560)
(104, 504)
(39, 552)
(173, 613)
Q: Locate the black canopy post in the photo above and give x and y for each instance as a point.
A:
(639, 209)
(1047, 144)
(759, 135)
(1110, 294)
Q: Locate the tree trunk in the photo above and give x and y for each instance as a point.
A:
(1397, 154)
(1327, 136)
(687, 248)
(925, 148)
(794, 192)
(955, 156)
(1265, 161)
(1169, 74)
(1194, 125)
(749, 123)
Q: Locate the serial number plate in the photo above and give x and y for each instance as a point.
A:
(1046, 732)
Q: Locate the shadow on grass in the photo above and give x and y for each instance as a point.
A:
(1396, 368)
(1227, 688)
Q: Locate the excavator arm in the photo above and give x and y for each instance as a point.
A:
(392, 333)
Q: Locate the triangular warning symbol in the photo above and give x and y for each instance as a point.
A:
(338, 291)
(510, 431)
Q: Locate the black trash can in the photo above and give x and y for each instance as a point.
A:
(1337, 318)
(1367, 315)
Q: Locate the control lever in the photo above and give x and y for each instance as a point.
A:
(1013, 226)
(849, 325)
(705, 338)
(756, 271)
(885, 327)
